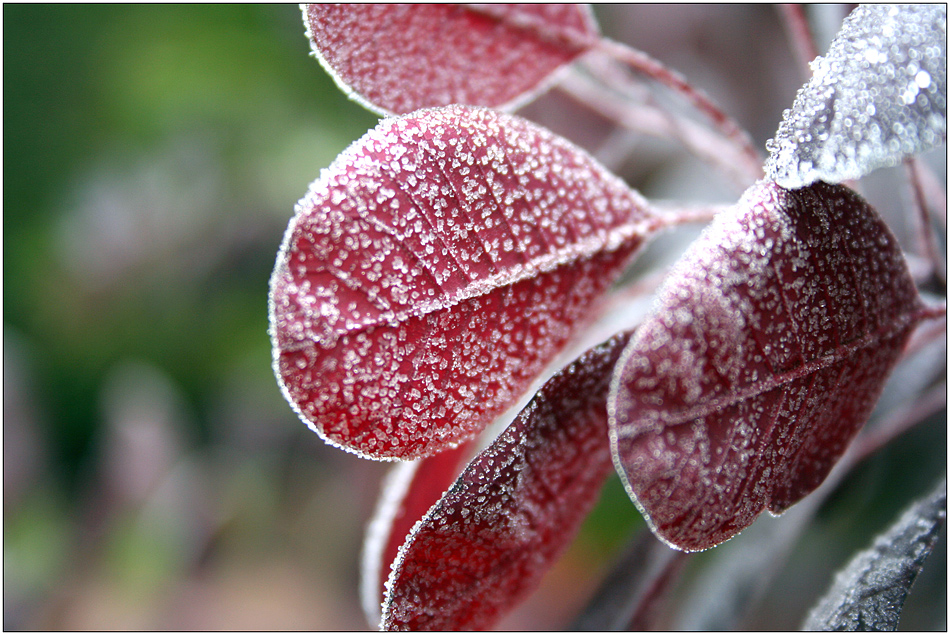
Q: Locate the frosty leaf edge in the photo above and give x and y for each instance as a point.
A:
(513, 509)
(442, 237)
(878, 96)
(742, 391)
(540, 46)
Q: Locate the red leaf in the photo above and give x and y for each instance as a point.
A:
(767, 351)
(434, 270)
(398, 58)
(410, 490)
(513, 510)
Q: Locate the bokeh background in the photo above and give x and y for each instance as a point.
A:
(153, 477)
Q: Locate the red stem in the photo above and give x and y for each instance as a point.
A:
(799, 32)
(644, 617)
(899, 421)
(654, 69)
(926, 239)
(651, 120)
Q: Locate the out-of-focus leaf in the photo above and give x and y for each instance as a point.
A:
(878, 96)
(410, 490)
(513, 510)
(770, 343)
(397, 58)
(869, 593)
(434, 270)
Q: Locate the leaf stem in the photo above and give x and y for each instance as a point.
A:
(926, 239)
(642, 63)
(799, 33)
(645, 616)
(651, 120)
(689, 215)
(628, 597)
(899, 421)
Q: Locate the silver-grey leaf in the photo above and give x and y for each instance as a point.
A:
(869, 593)
(878, 96)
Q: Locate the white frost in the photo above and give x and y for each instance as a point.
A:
(878, 96)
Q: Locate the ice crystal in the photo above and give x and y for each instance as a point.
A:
(434, 270)
(768, 348)
(869, 593)
(395, 58)
(878, 96)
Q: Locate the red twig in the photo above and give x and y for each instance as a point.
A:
(655, 70)
(650, 120)
(899, 421)
(799, 32)
(644, 618)
(926, 239)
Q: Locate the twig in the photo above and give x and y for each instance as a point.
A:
(926, 239)
(628, 597)
(899, 421)
(648, 607)
(927, 332)
(648, 120)
(655, 70)
(799, 32)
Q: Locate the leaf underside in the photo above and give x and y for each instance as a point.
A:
(434, 270)
(397, 58)
(769, 346)
(513, 510)
(877, 97)
(869, 593)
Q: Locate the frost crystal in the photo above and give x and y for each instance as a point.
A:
(516, 506)
(768, 347)
(396, 58)
(434, 270)
(869, 593)
(878, 96)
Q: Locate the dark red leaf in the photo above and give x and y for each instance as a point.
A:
(769, 346)
(410, 490)
(513, 510)
(398, 58)
(434, 270)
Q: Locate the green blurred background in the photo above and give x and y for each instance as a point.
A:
(154, 478)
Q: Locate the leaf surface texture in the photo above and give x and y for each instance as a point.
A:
(768, 348)
(434, 269)
(869, 593)
(397, 58)
(877, 97)
(513, 510)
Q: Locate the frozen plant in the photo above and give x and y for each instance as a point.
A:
(446, 260)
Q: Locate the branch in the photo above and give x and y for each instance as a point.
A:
(642, 63)
(799, 32)
(649, 120)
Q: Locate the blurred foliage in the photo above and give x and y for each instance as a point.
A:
(153, 155)
(154, 478)
(214, 115)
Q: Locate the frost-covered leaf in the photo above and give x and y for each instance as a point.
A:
(514, 508)
(770, 343)
(878, 96)
(396, 58)
(739, 573)
(869, 593)
(410, 489)
(434, 270)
